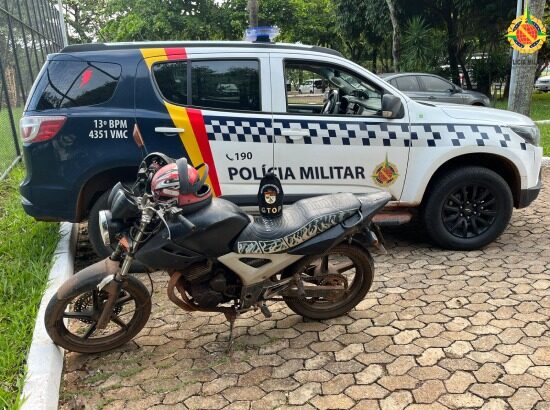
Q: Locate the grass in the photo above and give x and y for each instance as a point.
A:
(26, 250)
(7, 147)
(540, 110)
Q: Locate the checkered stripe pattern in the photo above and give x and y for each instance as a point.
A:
(358, 133)
(446, 135)
(239, 129)
(344, 133)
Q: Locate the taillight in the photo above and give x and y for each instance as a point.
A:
(40, 128)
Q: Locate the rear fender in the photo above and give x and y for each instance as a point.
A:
(87, 277)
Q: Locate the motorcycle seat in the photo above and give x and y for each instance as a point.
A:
(302, 221)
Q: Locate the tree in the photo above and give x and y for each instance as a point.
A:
(84, 19)
(253, 13)
(396, 41)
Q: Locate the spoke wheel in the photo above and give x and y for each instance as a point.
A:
(72, 322)
(470, 211)
(346, 266)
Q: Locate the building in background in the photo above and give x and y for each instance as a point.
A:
(29, 31)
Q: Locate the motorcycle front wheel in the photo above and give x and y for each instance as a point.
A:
(344, 265)
(71, 322)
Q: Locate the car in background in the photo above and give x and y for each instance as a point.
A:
(432, 88)
(543, 84)
(314, 86)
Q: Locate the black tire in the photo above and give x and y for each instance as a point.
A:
(364, 274)
(58, 332)
(477, 199)
(93, 227)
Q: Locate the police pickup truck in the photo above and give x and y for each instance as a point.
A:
(227, 104)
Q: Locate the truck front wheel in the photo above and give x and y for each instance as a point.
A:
(467, 208)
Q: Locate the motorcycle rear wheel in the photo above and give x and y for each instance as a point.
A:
(70, 322)
(362, 266)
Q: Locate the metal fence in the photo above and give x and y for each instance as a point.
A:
(29, 31)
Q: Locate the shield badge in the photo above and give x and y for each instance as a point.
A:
(270, 196)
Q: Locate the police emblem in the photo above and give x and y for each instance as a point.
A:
(526, 34)
(270, 196)
(385, 174)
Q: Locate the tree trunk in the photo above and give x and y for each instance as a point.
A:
(252, 13)
(374, 59)
(524, 73)
(396, 42)
(453, 44)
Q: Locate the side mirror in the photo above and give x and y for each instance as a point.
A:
(392, 107)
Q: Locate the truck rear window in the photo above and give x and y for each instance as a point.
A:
(67, 84)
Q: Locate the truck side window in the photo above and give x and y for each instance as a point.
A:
(67, 84)
(171, 79)
(313, 84)
(226, 84)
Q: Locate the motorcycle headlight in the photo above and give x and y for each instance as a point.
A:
(104, 217)
(530, 133)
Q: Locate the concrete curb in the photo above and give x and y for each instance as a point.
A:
(546, 161)
(45, 359)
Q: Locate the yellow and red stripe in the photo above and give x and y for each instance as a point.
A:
(194, 138)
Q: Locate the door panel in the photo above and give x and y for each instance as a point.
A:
(316, 154)
(233, 143)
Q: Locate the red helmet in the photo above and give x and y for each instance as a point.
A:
(181, 183)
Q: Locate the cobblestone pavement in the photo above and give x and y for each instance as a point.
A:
(438, 330)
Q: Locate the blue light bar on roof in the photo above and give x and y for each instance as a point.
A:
(261, 34)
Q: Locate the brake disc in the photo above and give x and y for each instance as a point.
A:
(85, 302)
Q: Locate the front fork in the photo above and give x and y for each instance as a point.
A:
(112, 284)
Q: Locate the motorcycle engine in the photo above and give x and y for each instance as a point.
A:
(212, 287)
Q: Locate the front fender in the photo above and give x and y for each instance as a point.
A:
(87, 277)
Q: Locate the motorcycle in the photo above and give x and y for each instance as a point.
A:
(314, 257)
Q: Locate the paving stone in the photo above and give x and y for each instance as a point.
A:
(398, 382)
(488, 390)
(219, 384)
(243, 393)
(338, 384)
(349, 352)
(305, 392)
(461, 401)
(488, 373)
(332, 402)
(431, 356)
(459, 382)
(396, 401)
(524, 398)
(429, 391)
(518, 364)
(372, 391)
(401, 365)
(207, 403)
(370, 374)
(181, 394)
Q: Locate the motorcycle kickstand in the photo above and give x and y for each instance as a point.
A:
(231, 317)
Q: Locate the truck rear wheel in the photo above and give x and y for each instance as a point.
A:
(467, 208)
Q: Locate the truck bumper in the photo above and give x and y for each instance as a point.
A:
(527, 196)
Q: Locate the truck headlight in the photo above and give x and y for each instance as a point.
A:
(530, 133)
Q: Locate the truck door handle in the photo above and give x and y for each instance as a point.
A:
(169, 130)
(296, 134)
(431, 97)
